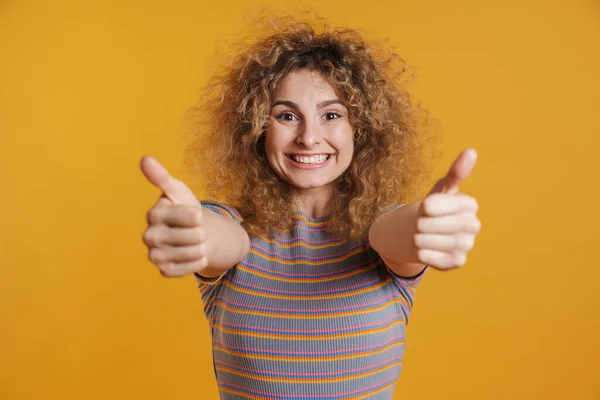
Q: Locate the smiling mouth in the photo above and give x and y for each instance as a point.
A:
(312, 159)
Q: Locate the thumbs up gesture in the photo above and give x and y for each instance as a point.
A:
(448, 223)
(175, 234)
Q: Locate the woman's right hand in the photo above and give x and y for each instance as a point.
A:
(175, 235)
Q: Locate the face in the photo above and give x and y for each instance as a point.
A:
(309, 139)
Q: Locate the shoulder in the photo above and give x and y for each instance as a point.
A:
(223, 209)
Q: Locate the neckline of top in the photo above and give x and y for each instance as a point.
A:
(305, 216)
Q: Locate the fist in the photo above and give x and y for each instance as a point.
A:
(175, 235)
(448, 225)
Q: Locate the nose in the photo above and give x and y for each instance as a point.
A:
(309, 135)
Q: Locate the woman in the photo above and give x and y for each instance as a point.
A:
(308, 270)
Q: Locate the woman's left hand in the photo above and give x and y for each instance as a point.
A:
(448, 223)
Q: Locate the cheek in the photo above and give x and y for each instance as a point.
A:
(272, 148)
(348, 156)
(346, 147)
(269, 143)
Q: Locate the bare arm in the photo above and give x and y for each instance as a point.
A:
(226, 244)
(392, 236)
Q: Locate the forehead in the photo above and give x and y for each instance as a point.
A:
(305, 83)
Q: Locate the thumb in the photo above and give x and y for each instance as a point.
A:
(461, 168)
(173, 189)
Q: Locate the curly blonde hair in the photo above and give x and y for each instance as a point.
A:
(227, 145)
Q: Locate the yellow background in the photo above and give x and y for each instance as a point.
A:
(87, 88)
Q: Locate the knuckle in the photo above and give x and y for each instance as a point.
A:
(156, 256)
(475, 225)
(170, 270)
(153, 216)
(422, 257)
(468, 244)
(166, 270)
(464, 243)
(427, 205)
(471, 242)
(147, 238)
(418, 242)
(459, 259)
(421, 224)
(151, 238)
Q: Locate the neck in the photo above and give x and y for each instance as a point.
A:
(314, 202)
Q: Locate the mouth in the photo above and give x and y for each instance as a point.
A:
(309, 160)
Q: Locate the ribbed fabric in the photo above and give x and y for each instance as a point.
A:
(307, 315)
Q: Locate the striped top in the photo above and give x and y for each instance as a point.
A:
(307, 315)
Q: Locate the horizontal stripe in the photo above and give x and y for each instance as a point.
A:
(295, 241)
(310, 221)
(259, 292)
(283, 313)
(302, 259)
(368, 306)
(346, 333)
(320, 353)
(220, 211)
(352, 328)
(309, 356)
(361, 393)
(376, 282)
(257, 270)
(305, 380)
(302, 221)
(317, 276)
(309, 375)
(261, 251)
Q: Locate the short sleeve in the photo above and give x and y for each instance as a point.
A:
(407, 284)
(399, 281)
(404, 287)
(223, 209)
(227, 211)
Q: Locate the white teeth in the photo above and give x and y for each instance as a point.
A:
(310, 160)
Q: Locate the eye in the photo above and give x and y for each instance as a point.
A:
(331, 115)
(286, 117)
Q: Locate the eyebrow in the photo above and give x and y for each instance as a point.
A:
(293, 105)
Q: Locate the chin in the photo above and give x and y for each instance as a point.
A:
(308, 185)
